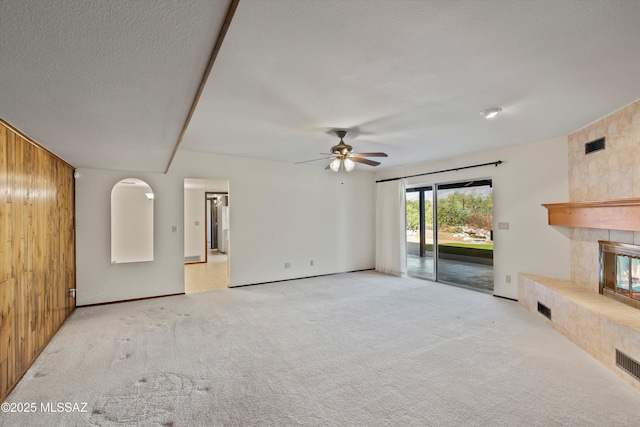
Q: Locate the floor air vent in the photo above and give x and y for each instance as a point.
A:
(627, 364)
(544, 310)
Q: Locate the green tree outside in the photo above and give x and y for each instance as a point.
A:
(413, 215)
(455, 210)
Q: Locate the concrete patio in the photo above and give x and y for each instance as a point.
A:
(472, 275)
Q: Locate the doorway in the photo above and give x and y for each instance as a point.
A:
(206, 235)
(457, 247)
(217, 221)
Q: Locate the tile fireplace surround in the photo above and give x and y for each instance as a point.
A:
(597, 324)
(603, 204)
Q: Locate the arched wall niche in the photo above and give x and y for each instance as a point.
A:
(132, 202)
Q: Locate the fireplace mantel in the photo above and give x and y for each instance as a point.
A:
(622, 214)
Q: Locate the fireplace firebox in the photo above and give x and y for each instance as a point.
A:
(620, 272)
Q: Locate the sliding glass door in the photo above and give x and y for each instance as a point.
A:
(457, 248)
(420, 254)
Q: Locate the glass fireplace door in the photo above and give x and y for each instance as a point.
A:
(620, 272)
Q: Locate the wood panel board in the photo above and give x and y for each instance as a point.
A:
(5, 212)
(623, 214)
(37, 249)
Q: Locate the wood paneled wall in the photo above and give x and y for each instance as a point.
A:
(37, 251)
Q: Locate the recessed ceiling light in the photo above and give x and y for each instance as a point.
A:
(490, 113)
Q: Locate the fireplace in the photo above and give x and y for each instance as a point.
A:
(620, 272)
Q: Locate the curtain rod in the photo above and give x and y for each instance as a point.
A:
(496, 163)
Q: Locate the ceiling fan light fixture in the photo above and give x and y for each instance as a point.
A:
(349, 165)
(342, 156)
(490, 113)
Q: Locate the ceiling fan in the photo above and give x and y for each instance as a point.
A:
(342, 155)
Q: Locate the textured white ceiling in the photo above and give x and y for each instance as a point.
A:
(411, 76)
(105, 83)
(108, 83)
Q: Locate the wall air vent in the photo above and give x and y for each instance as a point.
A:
(544, 310)
(627, 364)
(593, 146)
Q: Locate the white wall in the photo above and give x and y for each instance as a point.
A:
(194, 223)
(279, 212)
(99, 281)
(531, 174)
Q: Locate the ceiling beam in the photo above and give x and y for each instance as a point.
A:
(216, 48)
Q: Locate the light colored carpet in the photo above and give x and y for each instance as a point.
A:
(361, 349)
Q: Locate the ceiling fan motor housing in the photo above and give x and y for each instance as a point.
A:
(341, 149)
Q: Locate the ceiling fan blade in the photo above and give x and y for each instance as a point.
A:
(307, 161)
(365, 161)
(369, 154)
(328, 166)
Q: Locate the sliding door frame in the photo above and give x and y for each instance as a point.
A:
(434, 188)
(421, 207)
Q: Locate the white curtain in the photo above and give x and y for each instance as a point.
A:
(391, 250)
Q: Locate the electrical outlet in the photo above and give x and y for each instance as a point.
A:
(174, 228)
(503, 226)
(287, 265)
(507, 279)
(197, 222)
(311, 263)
